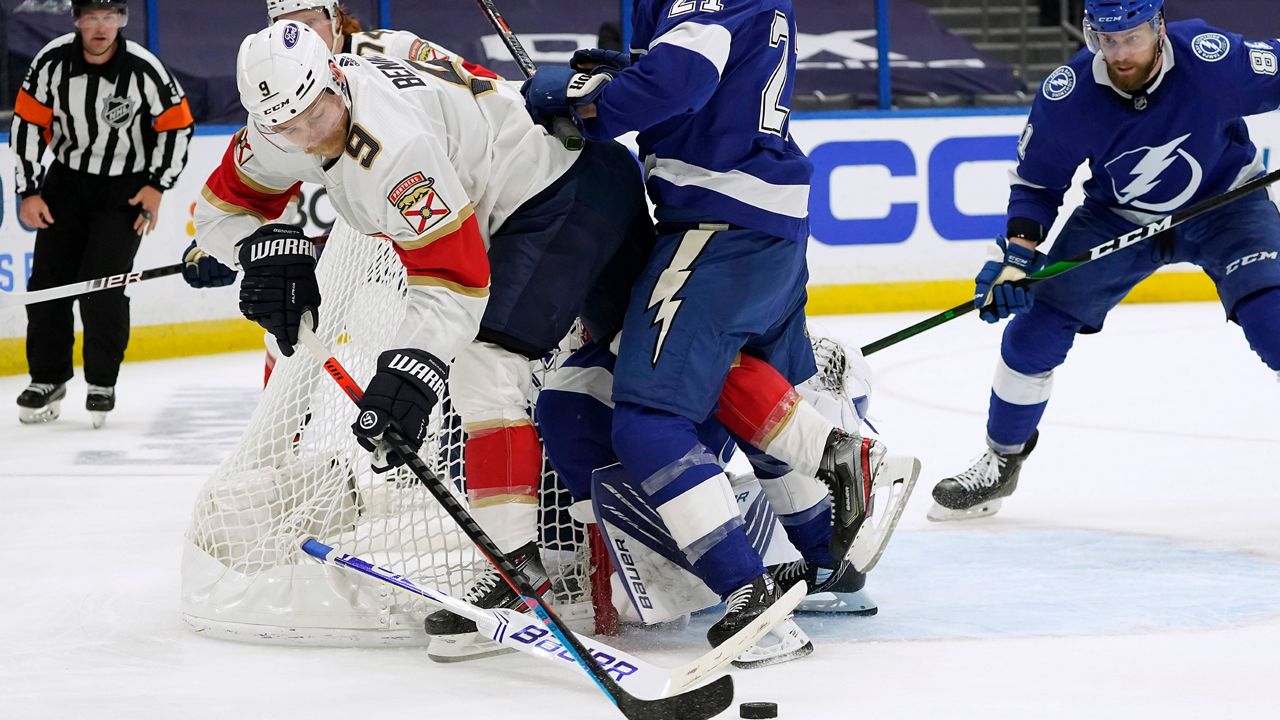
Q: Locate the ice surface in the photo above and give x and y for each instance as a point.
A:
(1136, 573)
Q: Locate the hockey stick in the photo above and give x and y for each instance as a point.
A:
(701, 703)
(563, 127)
(88, 286)
(521, 632)
(1102, 250)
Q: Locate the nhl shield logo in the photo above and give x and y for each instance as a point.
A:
(418, 202)
(118, 111)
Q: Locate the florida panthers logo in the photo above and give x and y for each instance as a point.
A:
(1156, 179)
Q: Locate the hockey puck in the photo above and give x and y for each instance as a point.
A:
(758, 710)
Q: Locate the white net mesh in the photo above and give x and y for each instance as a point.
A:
(298, 472)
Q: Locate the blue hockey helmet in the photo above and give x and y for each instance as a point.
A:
(1110, 16)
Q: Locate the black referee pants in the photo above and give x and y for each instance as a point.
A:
(91, 236)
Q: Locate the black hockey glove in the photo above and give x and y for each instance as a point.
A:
(202, 270)
(279, 282)
(402, 394)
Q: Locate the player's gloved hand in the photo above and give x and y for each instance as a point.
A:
(557, 91)
(995, 293)
(401, 395)
(202, 270)
(279, 282)
(587, 60)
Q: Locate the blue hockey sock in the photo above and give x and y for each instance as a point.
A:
(729, 564)
(1259, 317)
(683, 480)
(1034, 344)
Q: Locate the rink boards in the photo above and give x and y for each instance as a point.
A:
(901, 209)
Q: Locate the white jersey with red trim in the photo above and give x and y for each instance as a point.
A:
(436, 160)
(404, 44)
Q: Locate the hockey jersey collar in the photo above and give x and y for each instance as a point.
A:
(1101, 77)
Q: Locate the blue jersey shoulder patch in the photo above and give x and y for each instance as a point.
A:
(1060, 83)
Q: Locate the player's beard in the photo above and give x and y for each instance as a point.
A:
(334, 143)
(1136, 78)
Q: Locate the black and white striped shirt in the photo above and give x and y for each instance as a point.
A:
(128, 115)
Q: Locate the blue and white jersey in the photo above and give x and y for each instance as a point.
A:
(709, 93)
(1148, 156)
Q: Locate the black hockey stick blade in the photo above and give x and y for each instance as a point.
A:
(700, 703)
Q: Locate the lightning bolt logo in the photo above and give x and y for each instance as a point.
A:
(672, 281)
(1147, 174)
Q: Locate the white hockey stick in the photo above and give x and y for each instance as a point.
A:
(87, 286)
(526, 634)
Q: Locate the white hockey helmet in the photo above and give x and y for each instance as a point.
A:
(277, 8)
(281, 70)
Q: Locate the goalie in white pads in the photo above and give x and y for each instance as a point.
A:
(441, 164)
(658, 578)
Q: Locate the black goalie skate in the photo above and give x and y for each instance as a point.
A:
(41, 402)
(978, 491)
(454, 638)
(785, 642)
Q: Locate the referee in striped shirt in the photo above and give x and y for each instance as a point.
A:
(117, 126)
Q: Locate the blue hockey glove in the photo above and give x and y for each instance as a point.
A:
(202, 270)
(556, 91)
(995, 293)
(588, 60)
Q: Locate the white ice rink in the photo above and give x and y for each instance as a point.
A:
(1136, 573)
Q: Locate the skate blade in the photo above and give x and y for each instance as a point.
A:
(35, 416)
(854, 603)
(889, 495)
(784, 643)
(463, 648)
(938, 513)
(98, 419)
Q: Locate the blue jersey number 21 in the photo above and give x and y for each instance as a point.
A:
(773, 114)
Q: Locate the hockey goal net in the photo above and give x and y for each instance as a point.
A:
(297, 472)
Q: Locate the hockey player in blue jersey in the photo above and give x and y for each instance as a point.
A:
(1156, 110)
(707, 87)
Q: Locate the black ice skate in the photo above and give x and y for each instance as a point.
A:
(830, 591)
(454, 638)
(99, 401)
(41, 403)
(978, 491)
(854, 470)
(785, 642)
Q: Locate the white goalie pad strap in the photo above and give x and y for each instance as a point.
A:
(490, 387)
(794, 492)
(594, 382)
(1014, 387)
(700, 512)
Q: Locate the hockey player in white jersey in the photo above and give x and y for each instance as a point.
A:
(1157, 111)
(440, 163)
